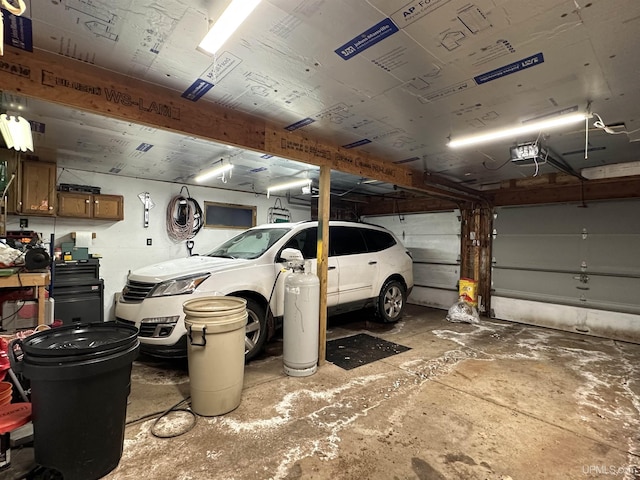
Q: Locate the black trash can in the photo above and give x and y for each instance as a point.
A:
(80, 379)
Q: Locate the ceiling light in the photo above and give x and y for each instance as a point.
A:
(16, 132)
(221, 168)
(520, 130)
(288, 185)
(233, 16)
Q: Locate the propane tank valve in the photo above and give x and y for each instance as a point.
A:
(294, 259)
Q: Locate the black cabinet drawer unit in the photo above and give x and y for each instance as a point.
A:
(78, 292)
(76, 273)
(80, 303)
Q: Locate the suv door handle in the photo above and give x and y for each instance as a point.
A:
(372, 262)
(331, 267)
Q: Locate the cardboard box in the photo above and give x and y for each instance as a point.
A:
(71, 252)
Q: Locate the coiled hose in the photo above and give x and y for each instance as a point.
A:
(184, 217)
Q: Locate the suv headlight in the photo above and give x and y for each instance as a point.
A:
(179, 286)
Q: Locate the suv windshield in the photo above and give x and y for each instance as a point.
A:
(249, 244)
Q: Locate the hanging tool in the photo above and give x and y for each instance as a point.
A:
(278, 213)
(145, 198)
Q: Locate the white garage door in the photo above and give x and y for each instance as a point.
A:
(434, 242)
(569, 267)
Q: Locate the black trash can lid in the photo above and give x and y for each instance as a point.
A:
(82, 339)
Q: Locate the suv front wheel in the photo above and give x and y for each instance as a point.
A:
(391, 301)
(256, 330)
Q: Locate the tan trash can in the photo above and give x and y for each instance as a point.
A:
(215, 349)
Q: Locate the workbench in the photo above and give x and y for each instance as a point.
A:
(40, 280)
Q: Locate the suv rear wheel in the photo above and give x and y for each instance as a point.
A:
(391, 301)
(256, 330)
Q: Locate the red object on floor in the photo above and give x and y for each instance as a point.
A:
(14, 415)
(4, 358)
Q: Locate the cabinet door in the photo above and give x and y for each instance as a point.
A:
(74, 205)
(108, 207)
(38, 188)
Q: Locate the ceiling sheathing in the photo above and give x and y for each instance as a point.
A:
(433, 70)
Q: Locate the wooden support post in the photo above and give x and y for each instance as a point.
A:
(323, 257)
(475, 251)
(485, 237)
(466, 257)
(476, 245)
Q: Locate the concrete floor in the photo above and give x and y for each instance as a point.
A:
(493, 401)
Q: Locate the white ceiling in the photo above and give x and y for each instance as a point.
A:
(400, 99)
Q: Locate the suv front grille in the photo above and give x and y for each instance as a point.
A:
(125, 322)
(150, 329)
(147, 330)
(136, 291)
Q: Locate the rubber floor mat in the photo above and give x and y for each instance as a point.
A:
(361, 349)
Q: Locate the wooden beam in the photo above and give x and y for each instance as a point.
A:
(386, 206)
(61, 80)
(557, 188)
(299, 147)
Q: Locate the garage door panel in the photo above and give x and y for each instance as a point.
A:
(562, 255)
(540, 220)
(434, 242)
(612, 292)
(611, 253)
(441, 223)
(440, 276)
(435, 248)
(421, 223)
(557, 286)
(617, 216)
(553, 252)
(602, 323)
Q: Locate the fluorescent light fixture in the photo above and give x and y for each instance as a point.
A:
(288, 185)
(520, 130)
(16, 132)
(214, 172)
(233, 16)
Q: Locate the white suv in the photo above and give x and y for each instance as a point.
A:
(367, 266)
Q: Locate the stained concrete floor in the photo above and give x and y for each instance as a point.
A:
(489, 401)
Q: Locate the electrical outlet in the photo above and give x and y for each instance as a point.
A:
(24, 223)
(148, 241)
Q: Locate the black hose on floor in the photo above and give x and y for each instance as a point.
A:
(161, 415)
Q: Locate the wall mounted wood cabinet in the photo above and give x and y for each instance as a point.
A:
(33, 189)
(86, 205)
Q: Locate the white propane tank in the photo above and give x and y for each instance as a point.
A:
(301, 324)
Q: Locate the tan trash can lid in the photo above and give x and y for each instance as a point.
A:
(218, 313)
